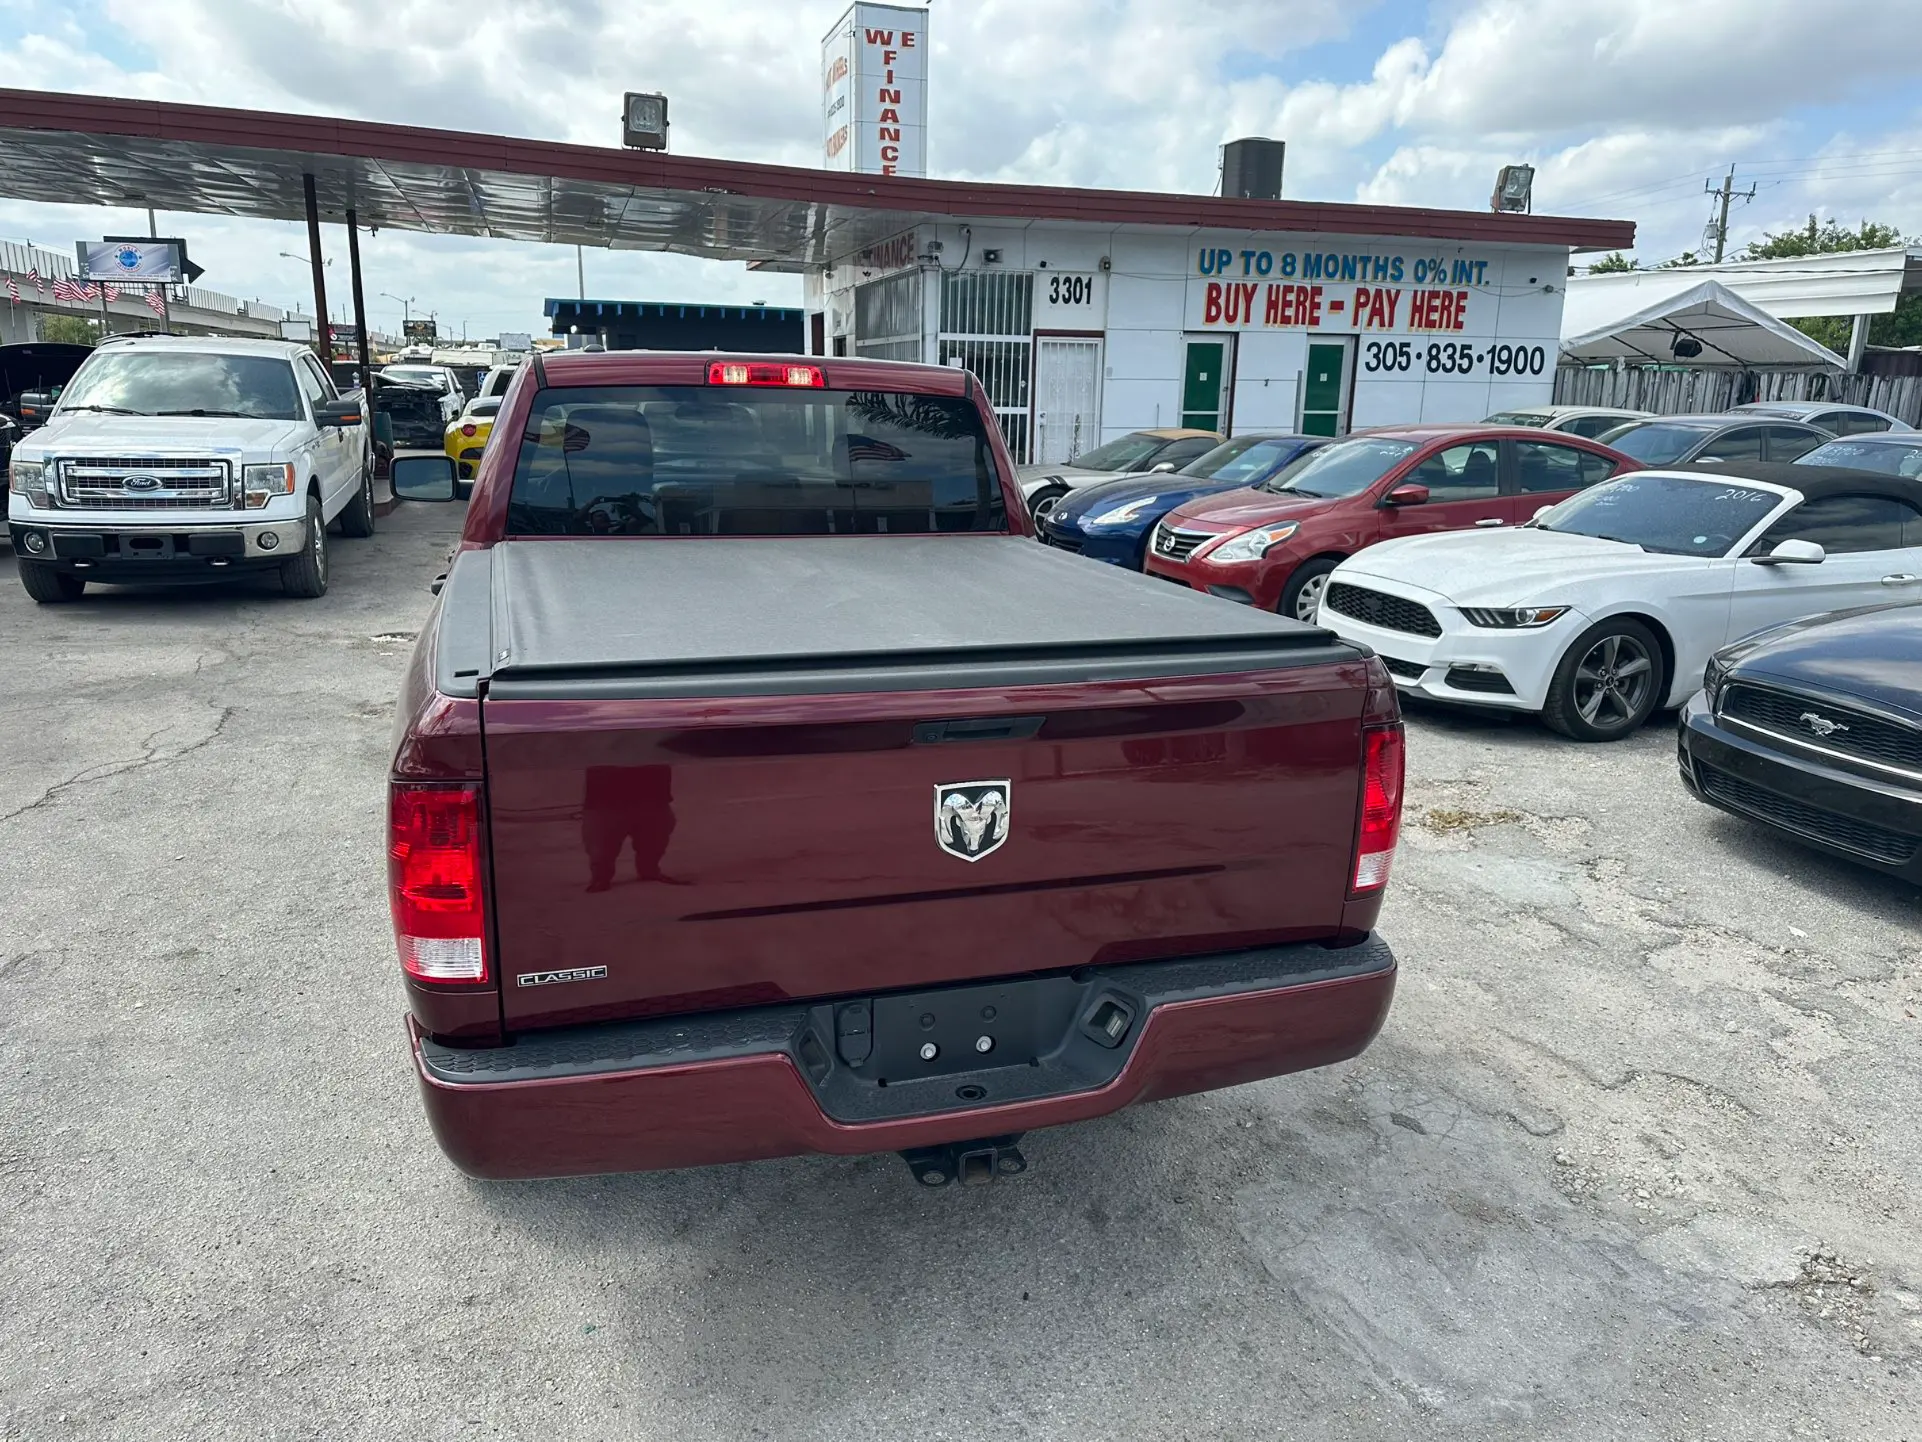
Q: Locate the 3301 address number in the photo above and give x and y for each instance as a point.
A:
(1453, 357)
(1070, 289)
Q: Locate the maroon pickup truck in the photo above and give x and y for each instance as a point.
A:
(757, 789)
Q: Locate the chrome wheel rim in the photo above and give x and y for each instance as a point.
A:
(1612, 682)
(319, 543)
(1308, 602)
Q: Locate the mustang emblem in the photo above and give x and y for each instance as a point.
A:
(1821, 725)
(971, 817)
(141, 483)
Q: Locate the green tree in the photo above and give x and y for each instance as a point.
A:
(1902, 326)
(69, 329)
(1613, 262)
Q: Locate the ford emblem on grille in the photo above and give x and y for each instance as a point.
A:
(971, 817)
(1821, 725)
(140, 483)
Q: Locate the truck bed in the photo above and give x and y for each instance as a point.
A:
(582, 618)
(716, 770)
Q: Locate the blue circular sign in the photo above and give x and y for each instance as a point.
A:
(128, 258)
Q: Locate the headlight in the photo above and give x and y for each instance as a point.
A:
(1513, 618)
(1121, 515)
(29, 479)
(1253, 545)
(1714, 677)
(263, 483)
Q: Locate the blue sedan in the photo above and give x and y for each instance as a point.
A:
(1111, 521)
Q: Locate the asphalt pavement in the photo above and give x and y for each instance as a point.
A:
(1636, 1156)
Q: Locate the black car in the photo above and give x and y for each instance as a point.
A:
(1736, 436)
(1815, 729)
(31, 375)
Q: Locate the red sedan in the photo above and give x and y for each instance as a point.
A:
(1273, 545)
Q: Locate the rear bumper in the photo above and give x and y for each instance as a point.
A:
(740, 1086)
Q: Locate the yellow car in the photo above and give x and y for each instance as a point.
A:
(467, 437)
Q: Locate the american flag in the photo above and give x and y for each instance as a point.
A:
(65, 289)
(38, 284)
(13, 291)
(155, 303)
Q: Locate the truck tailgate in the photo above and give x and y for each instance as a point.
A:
(719, 826)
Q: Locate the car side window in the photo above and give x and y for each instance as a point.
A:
(1460, 473)
(1190, 448)
(1842, 525)
(1741, 444)
(1541, 466)
(309, 381)
(1785, 443)
(1589, 427)
(1850, 423)
(328, 389)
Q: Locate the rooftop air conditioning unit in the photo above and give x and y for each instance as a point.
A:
(1251, 169)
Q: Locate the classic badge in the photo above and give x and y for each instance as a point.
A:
(1821, 725)
(971, 817)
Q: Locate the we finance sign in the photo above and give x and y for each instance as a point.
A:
(874, 91)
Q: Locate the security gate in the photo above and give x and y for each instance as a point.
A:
(986, 327)
(1067, 397)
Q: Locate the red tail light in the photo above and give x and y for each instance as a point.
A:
(469, 429)
(741, 373)
(434, 882)
(1380, 807)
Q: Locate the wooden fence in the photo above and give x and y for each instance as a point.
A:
(1679, 392)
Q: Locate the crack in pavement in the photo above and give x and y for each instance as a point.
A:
(148, 757)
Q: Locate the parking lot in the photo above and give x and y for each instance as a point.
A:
(1635, 1156)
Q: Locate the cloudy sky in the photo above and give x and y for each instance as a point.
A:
(1625, 107)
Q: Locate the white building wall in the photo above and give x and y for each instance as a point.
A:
(1492, 347)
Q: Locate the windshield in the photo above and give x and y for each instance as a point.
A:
(1126, 453)
(1890, 458)
(1345, 469)
(419, 375)
(751, 461)
(1518, 418)
(1654, 443)
(180, 383)
(1672, 515)
(1243, 462)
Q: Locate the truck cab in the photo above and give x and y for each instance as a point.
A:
(176, 458)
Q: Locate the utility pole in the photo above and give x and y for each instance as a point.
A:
(166, 307)
(580, 275)
(1727, 191)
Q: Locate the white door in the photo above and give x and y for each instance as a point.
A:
(1067, 398)
(1874, 554)
(331, 463)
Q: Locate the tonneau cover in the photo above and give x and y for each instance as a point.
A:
(716, 616)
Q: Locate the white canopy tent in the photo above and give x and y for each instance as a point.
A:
(1664, 325)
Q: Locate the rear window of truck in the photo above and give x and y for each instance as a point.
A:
(751, 461)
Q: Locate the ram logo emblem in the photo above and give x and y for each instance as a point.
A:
(971, 817)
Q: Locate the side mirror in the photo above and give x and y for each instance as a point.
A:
(347, 411)
(1406, 495)
(423, 478)
(1794, 553)
(1161, 469)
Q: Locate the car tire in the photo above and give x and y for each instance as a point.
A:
(357, 520)
(305, 575)
(1305, 586)
(1608, 683)
(1045, 500)
(49, 585)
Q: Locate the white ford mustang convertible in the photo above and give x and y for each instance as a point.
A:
(1606, 607)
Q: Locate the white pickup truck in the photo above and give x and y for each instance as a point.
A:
(190, 458)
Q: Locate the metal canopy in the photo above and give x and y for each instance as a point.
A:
(77, 149)
(1606, 325)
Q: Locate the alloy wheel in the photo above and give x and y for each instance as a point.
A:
(1612, 682)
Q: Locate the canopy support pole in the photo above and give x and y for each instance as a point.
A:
(360, 311)
(1858, 343)
(323, 343)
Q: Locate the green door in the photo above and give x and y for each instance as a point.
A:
(1321, 390)
(1201, 384)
